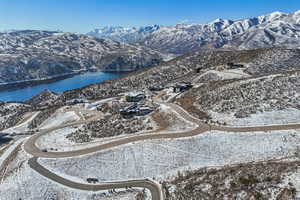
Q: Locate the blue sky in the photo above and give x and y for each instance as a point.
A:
(85, 15)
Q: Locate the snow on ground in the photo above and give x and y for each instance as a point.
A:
(4, 146)
(177, 122)
(222, 75)
(294, 178)
(169, 94)
(285, 116)
(12, 106)
(103, 101)
(28, 184)
(239, 71)
(163, 158)
(23, 127)
(59, 118)
(57, 140)
(18, 159)
(25, 183)
(84, 111)
(128, 196)
(2, 119)
(9, 151)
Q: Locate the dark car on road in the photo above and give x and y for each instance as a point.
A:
(92, 180)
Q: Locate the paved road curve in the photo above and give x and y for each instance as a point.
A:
(31, 148)
(144, 183)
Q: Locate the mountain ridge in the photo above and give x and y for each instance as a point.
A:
(264, 31)
(38, 55)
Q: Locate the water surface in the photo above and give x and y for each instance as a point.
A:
(77, 81)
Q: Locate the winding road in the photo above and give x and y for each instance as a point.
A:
(145, 183)
(155, 188)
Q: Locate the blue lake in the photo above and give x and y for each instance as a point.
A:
(77, 81)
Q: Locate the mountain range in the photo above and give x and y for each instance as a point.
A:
(275, 29)
(30, 55)
(38, 55)
(221, 121)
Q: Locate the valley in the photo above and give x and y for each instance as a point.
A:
(209, 124)
(39, 55)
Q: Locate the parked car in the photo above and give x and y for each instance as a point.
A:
(92, 180)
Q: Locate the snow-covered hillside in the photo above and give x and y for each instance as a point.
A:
(38, 55)
(123, 34)
(275, 29)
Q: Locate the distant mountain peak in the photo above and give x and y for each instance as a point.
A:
(278, 13)
(125, 34)
(297, 12)
(273, 29)
(218, 20)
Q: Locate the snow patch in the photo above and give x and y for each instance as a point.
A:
(285, 116)
(164, 158)
(59, 118)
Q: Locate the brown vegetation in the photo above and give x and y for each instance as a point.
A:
(187, 102)
(245, 181)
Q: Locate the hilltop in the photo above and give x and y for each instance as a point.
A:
(270, 30)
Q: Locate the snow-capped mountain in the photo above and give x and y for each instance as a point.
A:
(35, 55)
(275, 29)
(123, 34)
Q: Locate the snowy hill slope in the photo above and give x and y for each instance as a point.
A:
(275, 29)
(35, 55)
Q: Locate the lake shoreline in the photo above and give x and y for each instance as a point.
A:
(34, 82)
(24, 90)
(28, 83)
